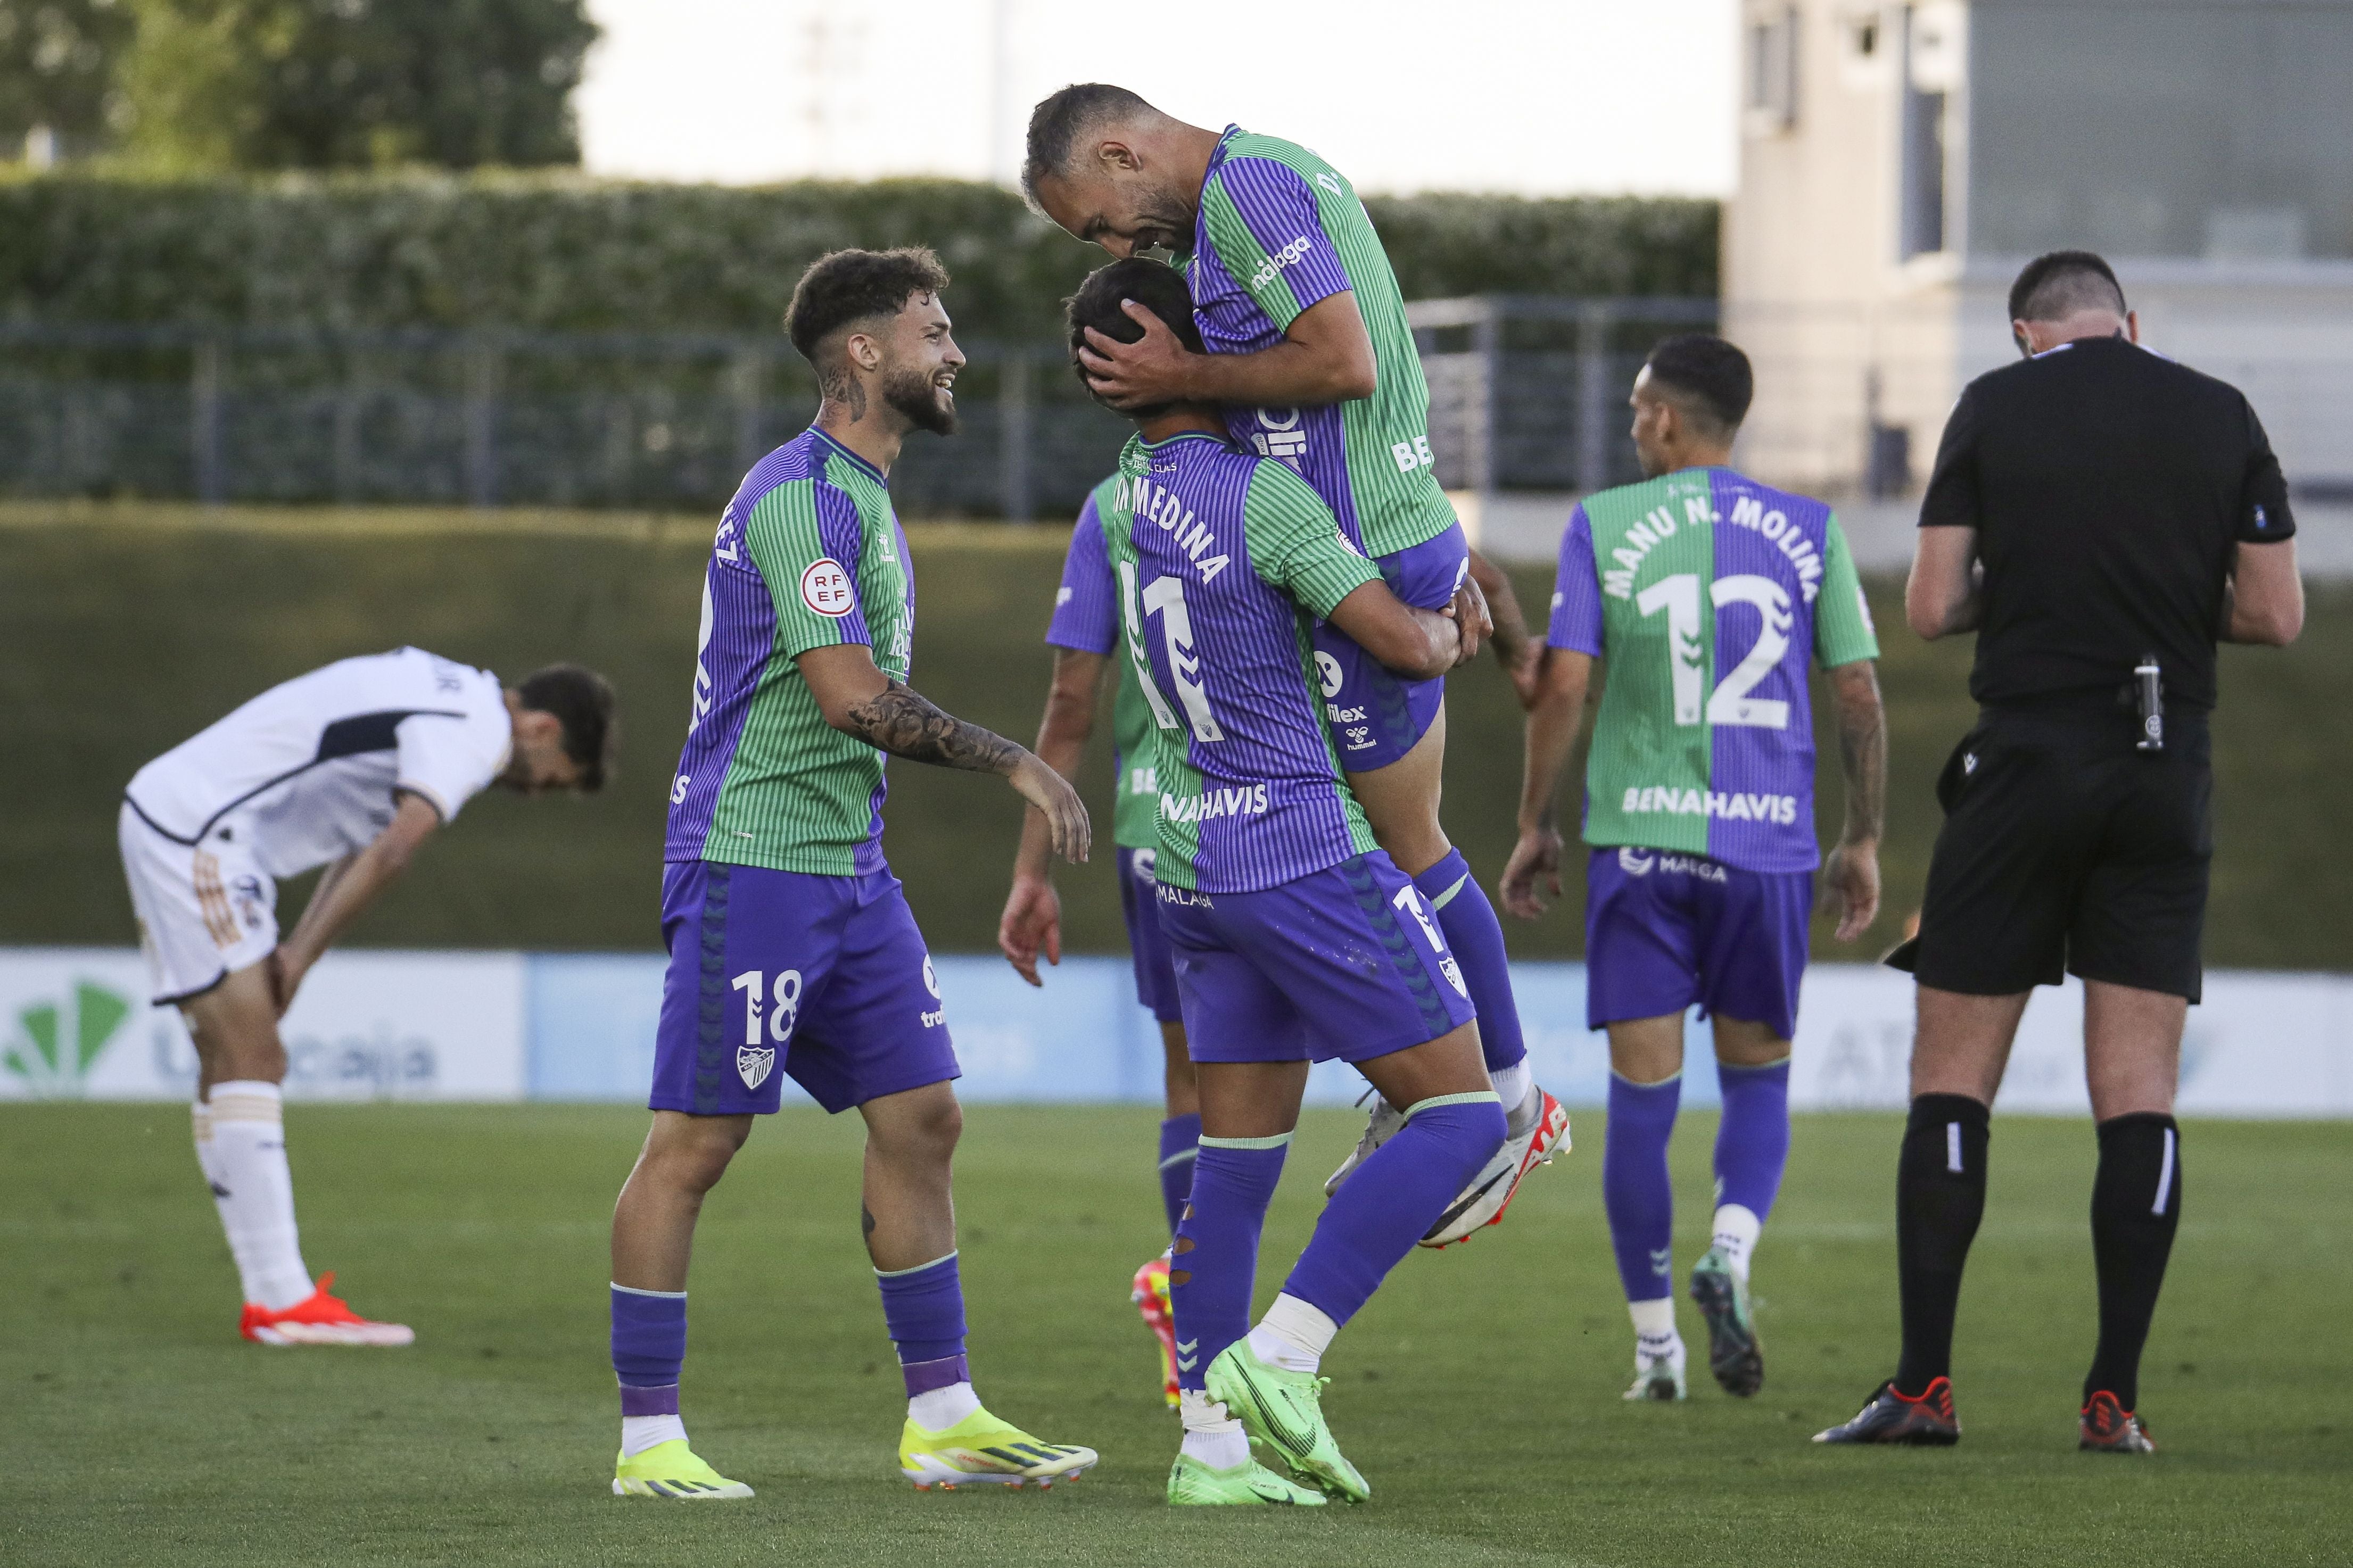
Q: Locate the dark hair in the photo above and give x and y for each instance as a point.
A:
(584, 701)
(2058, 283)
(1058, 120)
(1705, 370)
(1158, 288)
(843, 286)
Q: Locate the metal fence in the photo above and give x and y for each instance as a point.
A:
(609, 419)
(1528, 393)
(1525, 393)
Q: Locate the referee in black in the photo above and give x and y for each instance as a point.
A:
(2101, 518)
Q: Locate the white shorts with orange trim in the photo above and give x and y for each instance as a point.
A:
(204, 911)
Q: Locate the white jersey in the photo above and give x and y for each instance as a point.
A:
(306, 772)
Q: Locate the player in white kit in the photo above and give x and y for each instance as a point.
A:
(350, 767)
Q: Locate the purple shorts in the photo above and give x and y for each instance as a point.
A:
(1345, 962)
(826, 978)
(1156, 968)
(1376, 716)
(1664, 930)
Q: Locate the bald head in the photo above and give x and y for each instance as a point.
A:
(1064, 125)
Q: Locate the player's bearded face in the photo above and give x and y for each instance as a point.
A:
(925, 395)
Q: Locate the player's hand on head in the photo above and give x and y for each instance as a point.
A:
(1031, 924)
(1534, 862)
(1068, 830)
(1850, 890)
(1150, 370)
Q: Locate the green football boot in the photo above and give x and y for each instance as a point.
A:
(981, 1450)
(1284, 1410)
(1192, 1484)
(1733, 1353)
(672, 1470)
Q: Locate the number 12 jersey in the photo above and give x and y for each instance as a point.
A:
(1709, 594)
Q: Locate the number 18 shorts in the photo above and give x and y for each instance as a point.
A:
(776, 973)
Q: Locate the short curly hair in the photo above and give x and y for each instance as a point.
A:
(844, 287)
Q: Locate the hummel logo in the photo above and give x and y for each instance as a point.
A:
(1663, 1259)
(1187, 1355)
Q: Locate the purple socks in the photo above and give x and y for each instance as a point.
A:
(1215, 1260)
(1752, 1142)
(1179, 1136)
(923, 1308)
(648, 1349)
(1634, 1185)
(1392, 1199)
(1476, 936)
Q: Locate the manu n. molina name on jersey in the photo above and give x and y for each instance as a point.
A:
(1245, 800)
(1732, 805)
(1659, 524)
(1146, 499)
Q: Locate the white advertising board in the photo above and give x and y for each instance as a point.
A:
(75, 1023)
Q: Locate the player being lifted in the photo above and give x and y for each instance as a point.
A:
(1294, 935)
(1084, 632)
(351, 767)
(791, 943)
(1305, 345)
(1708, 594)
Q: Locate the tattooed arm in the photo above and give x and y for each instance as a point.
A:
(1851, 873)
(859, 700)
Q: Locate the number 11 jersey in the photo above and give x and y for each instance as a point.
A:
(1709, 594)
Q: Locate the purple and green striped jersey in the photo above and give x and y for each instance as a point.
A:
(1086, 618)
(1709, 594)
(1278, 230)
(808, 555)
(1221, 560)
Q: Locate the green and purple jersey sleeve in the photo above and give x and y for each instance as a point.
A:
(1279, 232)
(1710, 595)
(808, 555)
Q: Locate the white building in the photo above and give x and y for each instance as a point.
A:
(1899, 163)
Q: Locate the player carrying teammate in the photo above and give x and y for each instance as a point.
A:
(791, 945)
(1304, 346)
(1707, 593)
(1084, 632)
(351, 767)
(1296, 936)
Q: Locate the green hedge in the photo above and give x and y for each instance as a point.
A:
(564, 252)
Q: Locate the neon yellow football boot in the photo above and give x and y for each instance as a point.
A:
(672, 1470)
(981, 1450)
(1284, 1410)
(1192, 1484)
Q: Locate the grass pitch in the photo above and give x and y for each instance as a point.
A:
(1479, 1392)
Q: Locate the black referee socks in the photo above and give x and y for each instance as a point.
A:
(2136, 1207)
(1940, 1187)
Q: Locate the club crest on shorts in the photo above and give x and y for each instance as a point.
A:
(754, 1063)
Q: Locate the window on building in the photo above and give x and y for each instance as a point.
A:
(1772, 71)
(1933, 35)
(2216, 131)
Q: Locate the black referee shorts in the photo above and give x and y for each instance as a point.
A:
(2064, 848)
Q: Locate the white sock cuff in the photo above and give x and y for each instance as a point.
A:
(1654, 1319)
(948, 1257)
(1276, 1142)
(661, 1295)
(1477, 1097)
(1303, 1324)
(1512, 1084)
(246, 1100)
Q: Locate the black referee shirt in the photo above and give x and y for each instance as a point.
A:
(2108, 486)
